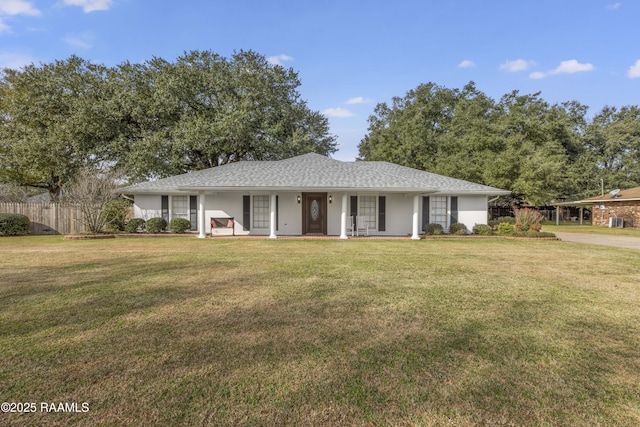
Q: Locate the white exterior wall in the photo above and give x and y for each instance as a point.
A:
(472, 210)
(334, 212)
(147, 206)
(399, 210)
(224, 205)
(399, 215)
(289, 214)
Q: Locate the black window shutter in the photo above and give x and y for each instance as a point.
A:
(193, 212)
(454, 209)
(382, 207)
(246, 212)
(277, 211)
(354, 205)
(165, 208)
(425, 211)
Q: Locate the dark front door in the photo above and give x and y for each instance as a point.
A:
(314, 213)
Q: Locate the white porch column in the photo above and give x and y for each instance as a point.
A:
(581, 214)
(272, 222)
(416, 218)
(343, 218)
(202, 220)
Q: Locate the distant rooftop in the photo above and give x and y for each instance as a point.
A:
(626, 194)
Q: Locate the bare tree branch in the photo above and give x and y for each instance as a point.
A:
(91, 191)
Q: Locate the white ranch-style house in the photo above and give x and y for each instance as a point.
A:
(313, 195)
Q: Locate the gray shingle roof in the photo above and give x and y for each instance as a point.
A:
(312, 172)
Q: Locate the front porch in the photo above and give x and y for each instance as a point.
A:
(313, 215)
(312, 237)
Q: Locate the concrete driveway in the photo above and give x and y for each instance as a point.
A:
(596, 239)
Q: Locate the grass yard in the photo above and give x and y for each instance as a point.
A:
(448, 332)
(589, 229)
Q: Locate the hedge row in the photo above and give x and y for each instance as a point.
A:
(436, 229)
(158, 225)
(505, 226)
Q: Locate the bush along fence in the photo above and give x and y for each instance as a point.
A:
(48, 218)
(13, 224)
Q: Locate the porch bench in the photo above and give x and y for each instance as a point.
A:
(226, 222)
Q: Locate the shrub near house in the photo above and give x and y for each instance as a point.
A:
(156, 225)
(179, 225)
(134, 225)
(526, 223)
(458, 228)
(482, 230)
(433, 229)
(528, 219)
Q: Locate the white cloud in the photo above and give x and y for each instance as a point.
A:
(466, 64)
(15, 60)
(13, 8)
(337, 112)
(571, 66)
(279, 59)
(634, 70)
(83, 41)
(614, 6)
(516, 65)
(17, 7)
(566, 67)
(537, 75)
(359, 100)
(90, 5)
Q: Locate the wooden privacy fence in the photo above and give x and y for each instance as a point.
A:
(48, 218)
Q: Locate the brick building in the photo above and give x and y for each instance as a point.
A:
(623, 204)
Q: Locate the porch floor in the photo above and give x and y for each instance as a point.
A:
(310, 237)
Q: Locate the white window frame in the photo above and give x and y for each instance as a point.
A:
(260, 211)
(439, 211)
(368, 212)
(176, 204)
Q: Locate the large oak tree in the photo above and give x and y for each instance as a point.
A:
(152, 119)
(54, 120)
(204, 110)
(521, 143)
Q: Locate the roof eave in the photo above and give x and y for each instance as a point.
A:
(474, 193)
(228, 189)
(309, 189)
(592, 201)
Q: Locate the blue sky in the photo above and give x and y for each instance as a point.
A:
(351, 55)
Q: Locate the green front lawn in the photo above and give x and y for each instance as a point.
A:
(591, 229)
(449, 332)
